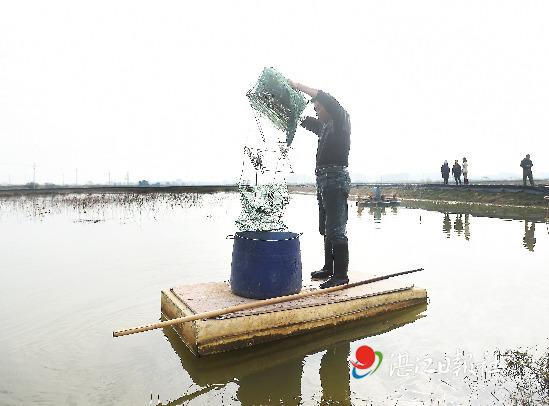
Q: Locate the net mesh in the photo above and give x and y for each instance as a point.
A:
(262, 186)
(273, 97)
(262, 207)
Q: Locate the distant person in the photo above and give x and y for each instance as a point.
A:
(465, 168)
(445, 171)
(529, 240)
(456, 171)
(526, 165)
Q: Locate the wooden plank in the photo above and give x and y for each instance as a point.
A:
(205, 297)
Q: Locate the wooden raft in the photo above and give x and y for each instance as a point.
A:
(269, 323)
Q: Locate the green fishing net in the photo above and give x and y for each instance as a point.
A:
(262, 186)
(273, 97)
(262, 207)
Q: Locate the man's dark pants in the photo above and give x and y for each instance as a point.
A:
(333, 186)
(527, 174)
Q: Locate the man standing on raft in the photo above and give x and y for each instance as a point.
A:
(333, 127)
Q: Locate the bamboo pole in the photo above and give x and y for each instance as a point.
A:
(253, 305)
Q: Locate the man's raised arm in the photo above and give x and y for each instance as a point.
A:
(305, 89)
(329, 102)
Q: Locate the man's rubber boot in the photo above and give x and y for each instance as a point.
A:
(341, 263)
(328, 268)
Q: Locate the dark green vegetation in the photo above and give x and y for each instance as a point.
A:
(21, 191)
(529, 375)
(518, 377)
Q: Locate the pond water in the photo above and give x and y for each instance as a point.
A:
(75, 268)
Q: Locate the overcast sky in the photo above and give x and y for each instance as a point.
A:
(157, 89)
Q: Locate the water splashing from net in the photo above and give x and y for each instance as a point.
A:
(263, 189)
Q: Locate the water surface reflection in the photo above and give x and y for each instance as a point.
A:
(461, 225)
(377, 212)
(459, 220)
(529, 239)
(273, 373)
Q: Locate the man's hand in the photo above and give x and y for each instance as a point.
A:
(302, 88)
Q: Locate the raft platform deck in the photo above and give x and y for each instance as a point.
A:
(250, 327)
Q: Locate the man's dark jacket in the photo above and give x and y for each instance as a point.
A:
(334, 137)
(445, 170)
(526, 164)
(456, 170)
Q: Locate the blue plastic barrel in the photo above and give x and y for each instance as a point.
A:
(265, 264)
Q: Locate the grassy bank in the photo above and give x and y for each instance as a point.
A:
(513, 197)
(489, 194)
(511, 203)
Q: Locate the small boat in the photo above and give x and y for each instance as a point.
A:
(378, 200)
(277, 321)
(382, 202)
